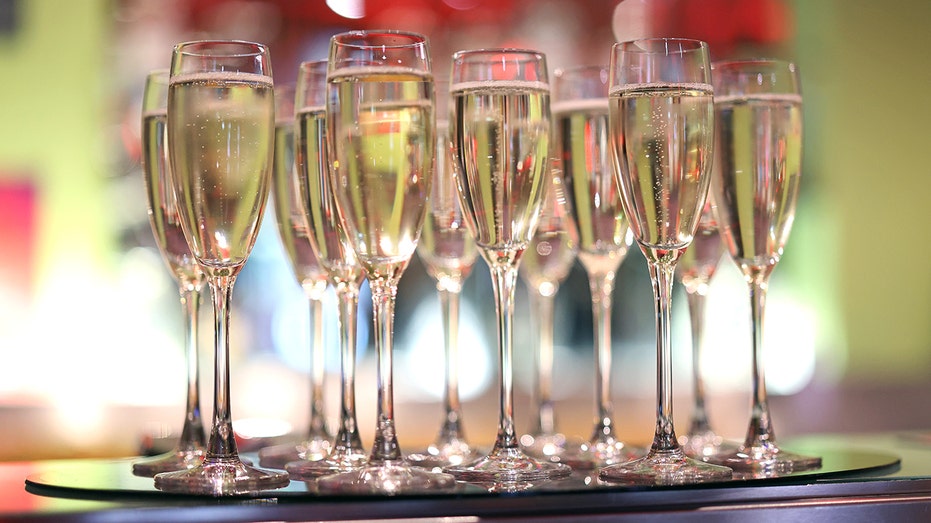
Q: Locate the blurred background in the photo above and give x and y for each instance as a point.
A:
(91, 360)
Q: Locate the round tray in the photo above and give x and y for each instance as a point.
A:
(112, 480)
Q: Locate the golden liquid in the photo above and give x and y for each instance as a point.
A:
(221, 136)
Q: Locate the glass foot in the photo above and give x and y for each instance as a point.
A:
(333, 464)
(765, 460)
(589, 455)
(547, 446)
(278, 456)
(387, 478)
(706, 445)
(665, 467)
(508, 465)
(437, 456)
(221, 478)
(169, 462)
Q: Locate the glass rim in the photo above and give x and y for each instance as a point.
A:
(157, 74)
(561, 71)
(155, 90)
(343, 39)
(186, 48)
(311, 64)
(313, 67)
(636, 45)
(309, 73)
(498, 50)
(749, 62)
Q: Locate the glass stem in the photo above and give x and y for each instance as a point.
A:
(699, 424)
(661, 273)
(449, 309)
(504, 281)
(348, 435)
(192, 433)
(222, 444)
(602, 286)
(385, 446)
(317, 370)
(760, 433)
(546, 413)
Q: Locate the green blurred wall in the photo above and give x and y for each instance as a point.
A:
(866, 69)
(53, 116)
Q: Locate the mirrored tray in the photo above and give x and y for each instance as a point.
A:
(112, 480)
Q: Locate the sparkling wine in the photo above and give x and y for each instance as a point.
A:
(384, 136)
(759, 155)
(289, 211)
(446, 247)
(221, 137)
(584, 148)
(663, 137)
(163, 207)
(329, 241)
(501, 141)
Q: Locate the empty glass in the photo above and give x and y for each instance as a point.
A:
(695, 269)
(546, 263)
(448, 252)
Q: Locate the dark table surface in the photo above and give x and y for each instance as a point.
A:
(866, 477)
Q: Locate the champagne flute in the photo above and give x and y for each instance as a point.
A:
(546, 263)
(221, 124)
(661, 127)
(381, 133)
(695, 269)
(163, 216)
(581, 113)
(758, 107)
(448, 252)
(294, 234)
(336, 256)
(500, 139)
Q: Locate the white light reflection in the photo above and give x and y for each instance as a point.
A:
(256, 428)
(347, 8)
(96, 345)
(788, 348)
(791, 333)
(291, 328)
(81, 416)
(266, 388)
(422, 369)
(632, 20)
